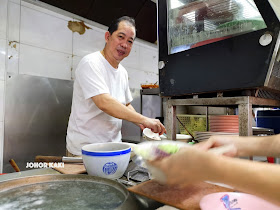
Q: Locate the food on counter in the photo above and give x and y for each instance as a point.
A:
(149, 86)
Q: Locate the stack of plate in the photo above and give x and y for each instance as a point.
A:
(179, 137)
(202, 136)
(224, 123)
(262, 131)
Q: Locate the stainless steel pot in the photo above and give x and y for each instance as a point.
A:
(66, 192)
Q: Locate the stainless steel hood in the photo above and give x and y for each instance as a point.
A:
(37, 110)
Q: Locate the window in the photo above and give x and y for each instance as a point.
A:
(193, 23)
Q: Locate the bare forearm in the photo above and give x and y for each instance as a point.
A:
(246, 146)
(111, 106)
(259, 146)
(256, 178)
(114, 108)
(132, 109)
(261, 179)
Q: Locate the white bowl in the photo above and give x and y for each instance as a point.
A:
(107, 160)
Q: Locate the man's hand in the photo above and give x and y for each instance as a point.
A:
(155, 125)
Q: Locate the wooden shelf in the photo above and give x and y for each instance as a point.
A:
(243, 103)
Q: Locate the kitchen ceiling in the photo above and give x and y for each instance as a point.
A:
(104, 11)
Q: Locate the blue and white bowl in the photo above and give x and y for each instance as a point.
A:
(107, 160)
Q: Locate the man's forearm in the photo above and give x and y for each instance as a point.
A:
(114, 108)
(132, 108)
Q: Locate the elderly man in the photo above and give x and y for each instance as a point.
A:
(101, 95)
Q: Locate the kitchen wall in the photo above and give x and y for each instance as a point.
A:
(35, 40)
(3, 52)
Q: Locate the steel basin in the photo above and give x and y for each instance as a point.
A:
(41, 185)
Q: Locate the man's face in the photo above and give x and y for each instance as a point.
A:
(119, 44)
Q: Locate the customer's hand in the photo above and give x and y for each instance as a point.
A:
(218, 141)
(186, 166)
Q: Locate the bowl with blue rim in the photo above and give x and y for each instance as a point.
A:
(107, 160)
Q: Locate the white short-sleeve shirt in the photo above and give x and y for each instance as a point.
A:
(87, 123)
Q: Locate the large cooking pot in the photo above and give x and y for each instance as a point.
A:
(65, 192)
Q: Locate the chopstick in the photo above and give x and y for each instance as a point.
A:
(14, 165)
(185, 127)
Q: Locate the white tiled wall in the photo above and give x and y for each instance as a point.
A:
(148, 59)
(13, 30)
(2, 58)
(142, 62)
(16, 1)
(137, 77)
(12, 66)
(45, 9)
(132, 61)
(48, 48)
(2, 100)
(75, 62)
(46, 63)
(35, 40)
(45, 31)
(3, 18)
(13, 22)
(2, 82)
(92, 40)
(3, 43)
(134, 76)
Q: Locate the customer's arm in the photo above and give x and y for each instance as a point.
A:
(190, 165)
(111, 106)
(246, 146)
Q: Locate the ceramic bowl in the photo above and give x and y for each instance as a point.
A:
(107, 160)
(236, 201)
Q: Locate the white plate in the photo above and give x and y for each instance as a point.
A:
(147, 132)
(178, 137)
